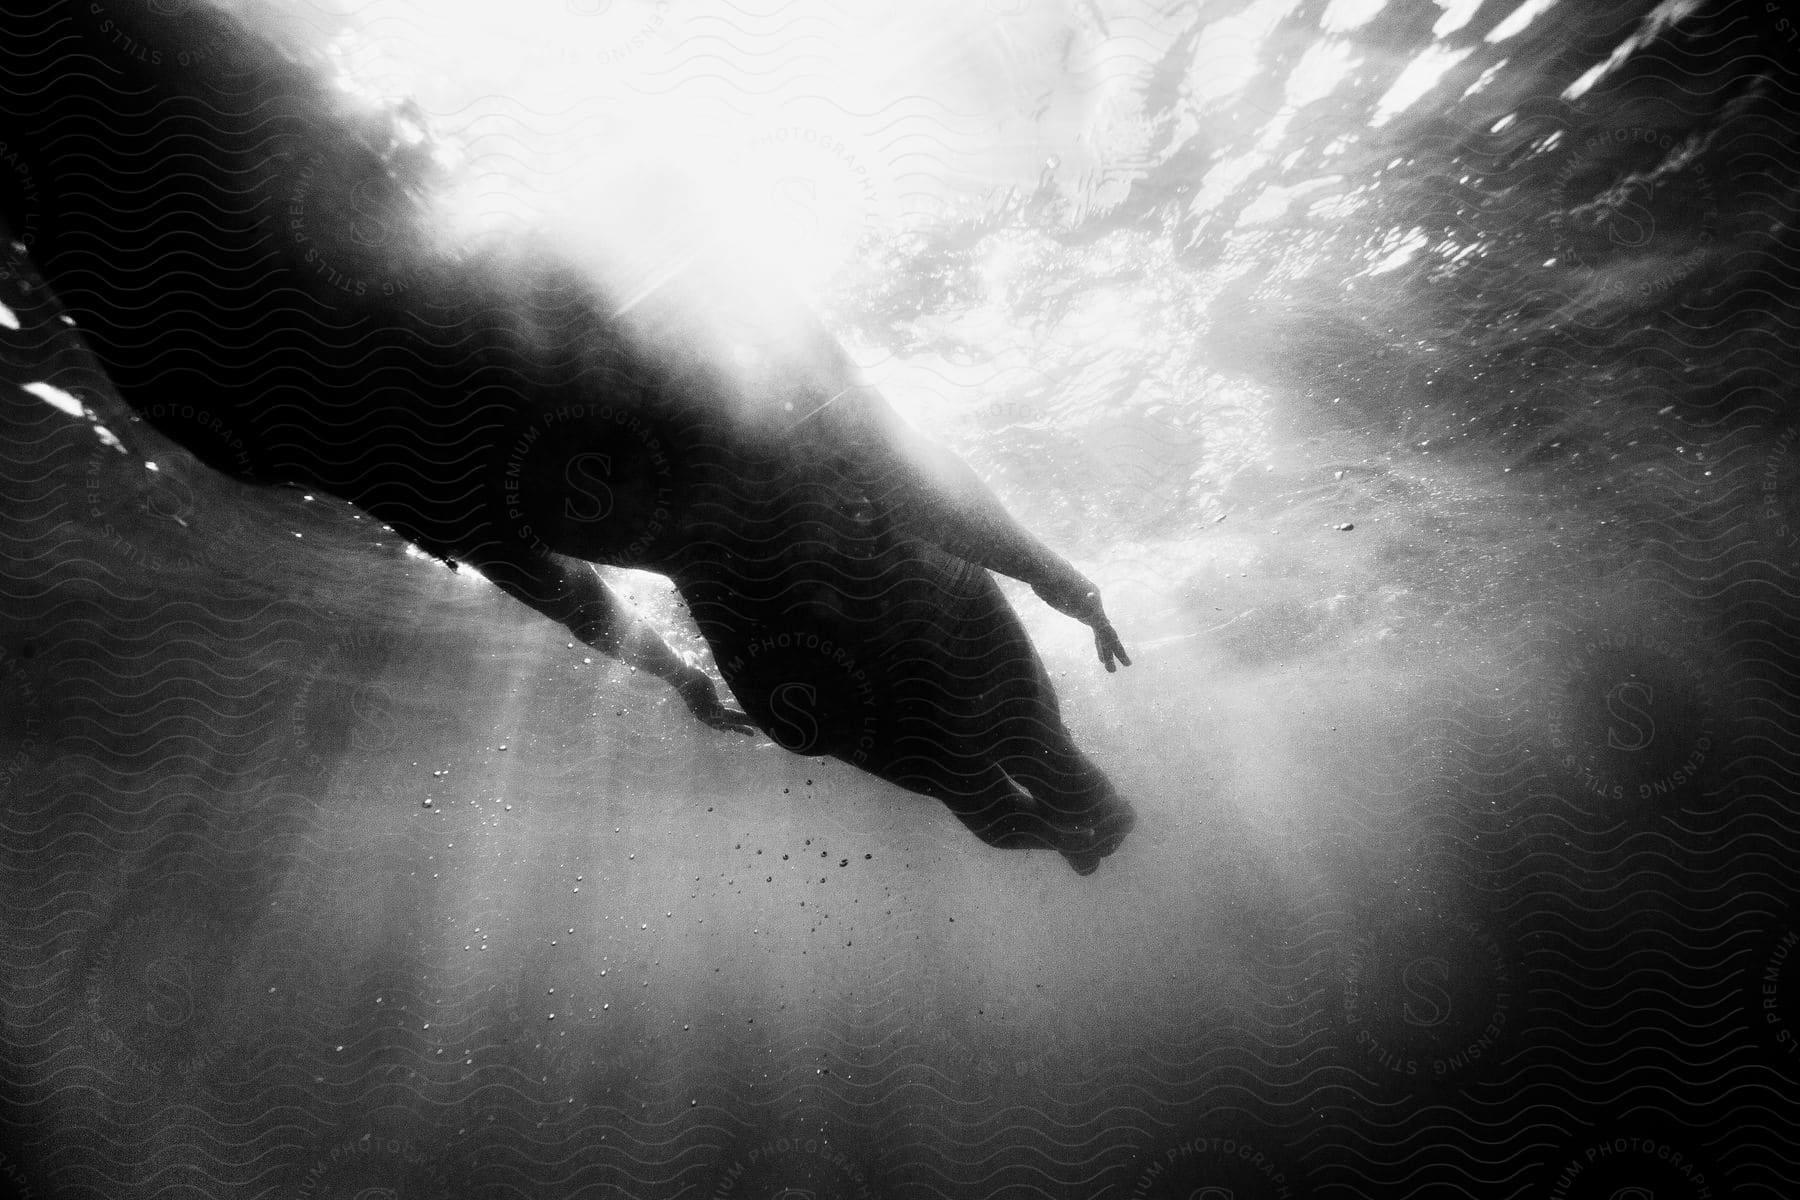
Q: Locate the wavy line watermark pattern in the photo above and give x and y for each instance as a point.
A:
(1632, 726)
(374, 1167)
(1428, 999)
(793, 1168)
(1215, 1168)
(152, 990)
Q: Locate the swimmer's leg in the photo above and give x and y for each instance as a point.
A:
(1078, 800)
(571, 592)
(1078, 814)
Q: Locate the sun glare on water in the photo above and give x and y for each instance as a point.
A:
(612, 129)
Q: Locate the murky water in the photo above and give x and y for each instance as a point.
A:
(1420, 399)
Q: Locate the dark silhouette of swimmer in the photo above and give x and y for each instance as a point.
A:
(246, 252)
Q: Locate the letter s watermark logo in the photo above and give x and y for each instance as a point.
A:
(792, 720)
(1422, 979)
(1630, 226)
(367, 225)
(170, 1002)
(799, 196)
(370, 706)
(1629, 705)
(585, 476)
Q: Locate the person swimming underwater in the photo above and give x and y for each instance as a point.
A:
(519, 411)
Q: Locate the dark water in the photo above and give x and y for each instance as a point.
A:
(1445, 495)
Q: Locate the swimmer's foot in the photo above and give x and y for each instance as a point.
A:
(1084, 827)
(1084, 864)
(1086, 844)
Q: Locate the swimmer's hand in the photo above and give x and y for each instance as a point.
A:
(696, 690)
(1107, 643)
(1074, 596)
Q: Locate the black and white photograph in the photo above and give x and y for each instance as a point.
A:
(841, 600)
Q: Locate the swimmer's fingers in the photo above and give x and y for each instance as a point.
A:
(702, 699)
(1074, 596)
(1107, 643)
(731, 720)
(727, 719)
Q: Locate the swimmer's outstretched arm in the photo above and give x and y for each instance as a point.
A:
(925, 487)
(937, 496)
(571, 592)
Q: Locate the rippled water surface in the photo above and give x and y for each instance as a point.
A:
(1416, 380)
